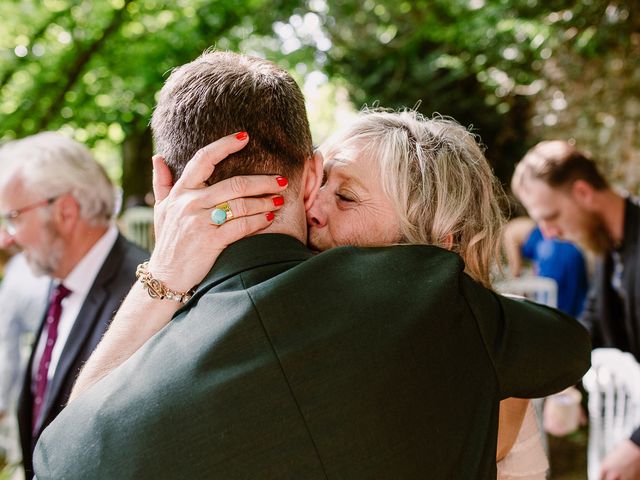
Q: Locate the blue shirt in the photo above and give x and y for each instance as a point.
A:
(564, 263)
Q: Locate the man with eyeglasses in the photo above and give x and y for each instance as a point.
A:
(57, 206)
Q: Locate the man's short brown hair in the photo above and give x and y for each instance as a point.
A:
(558, 164)
(220, 93)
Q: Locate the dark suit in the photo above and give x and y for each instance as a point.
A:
(113, 282)
(612, 319)
(354, 364)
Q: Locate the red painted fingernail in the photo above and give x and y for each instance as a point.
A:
(242, 135)
(270, 216)
(277, 201)
(282, 181)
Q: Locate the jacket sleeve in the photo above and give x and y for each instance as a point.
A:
(536, 350)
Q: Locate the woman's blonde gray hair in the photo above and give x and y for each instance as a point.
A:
(435, 173)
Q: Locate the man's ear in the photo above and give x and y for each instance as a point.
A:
(314, 171)
(448, 241)
(583, 193)
(66, 213)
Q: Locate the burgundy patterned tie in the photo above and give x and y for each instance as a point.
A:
(53, 318)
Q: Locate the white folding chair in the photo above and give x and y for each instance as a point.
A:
(613, 384)
(137, 226)
(537, 289)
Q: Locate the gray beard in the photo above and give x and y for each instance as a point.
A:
(50, 264)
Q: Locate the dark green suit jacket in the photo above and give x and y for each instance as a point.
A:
(354, 364)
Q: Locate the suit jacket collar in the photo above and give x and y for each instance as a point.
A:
(252, 252)
(88, 316)
(631, 227)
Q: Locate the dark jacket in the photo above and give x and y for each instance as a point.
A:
(113, 282)
(353, 364)
(614, 321)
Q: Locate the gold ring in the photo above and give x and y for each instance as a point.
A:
(227, 209)
(221, 213)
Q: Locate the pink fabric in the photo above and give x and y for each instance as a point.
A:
(53, 318)
(526, 460)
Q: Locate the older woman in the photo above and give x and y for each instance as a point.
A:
(390, 178)
(402, 178)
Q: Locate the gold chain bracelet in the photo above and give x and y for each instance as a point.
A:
(156, 289)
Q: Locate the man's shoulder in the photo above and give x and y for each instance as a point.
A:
(130, 253)
(352, 263)
(425, 271)
(425, 274)
(390, 261)
(119, 267)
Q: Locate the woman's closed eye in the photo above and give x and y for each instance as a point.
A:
(345, 197)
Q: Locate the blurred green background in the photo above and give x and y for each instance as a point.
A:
(518, 71)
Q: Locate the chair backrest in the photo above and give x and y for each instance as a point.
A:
(537, 289)
(137, 226)
(613, 384)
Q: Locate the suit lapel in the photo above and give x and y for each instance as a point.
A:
(84, 324)
(25, 404)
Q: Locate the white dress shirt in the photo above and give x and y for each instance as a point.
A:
(79, 281)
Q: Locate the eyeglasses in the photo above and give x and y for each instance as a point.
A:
(7, 219)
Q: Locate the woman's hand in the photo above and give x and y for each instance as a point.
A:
(187, 245)
(187, 242)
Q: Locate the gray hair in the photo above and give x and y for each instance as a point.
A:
(436, 176)
(53, 164)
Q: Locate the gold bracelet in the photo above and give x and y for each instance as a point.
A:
(156, 289)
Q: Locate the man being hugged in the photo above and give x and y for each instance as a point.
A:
(355, 363)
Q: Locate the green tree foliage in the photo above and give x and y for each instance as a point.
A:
(590, 87)
(484, 62)
(94, 66)
(517, 70)
(459, 58)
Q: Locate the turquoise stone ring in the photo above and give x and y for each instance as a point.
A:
(221, 213)
(218, 216)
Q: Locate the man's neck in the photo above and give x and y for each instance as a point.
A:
(77, 246)
(290, 220)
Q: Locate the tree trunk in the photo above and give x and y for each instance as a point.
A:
(137, 150)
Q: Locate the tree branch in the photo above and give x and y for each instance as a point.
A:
(81, 62)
